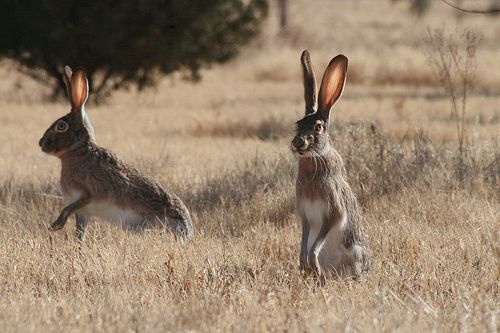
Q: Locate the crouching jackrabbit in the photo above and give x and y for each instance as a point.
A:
(332, 234)
(95, 182)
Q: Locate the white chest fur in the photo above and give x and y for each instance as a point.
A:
(315, 213)
(105, 210)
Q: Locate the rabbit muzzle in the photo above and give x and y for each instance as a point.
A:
(300, 144)
(48, 145)
(45, 144)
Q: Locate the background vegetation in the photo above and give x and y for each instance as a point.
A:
(124, 42)
(223, 144)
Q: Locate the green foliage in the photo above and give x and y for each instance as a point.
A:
(122, 42)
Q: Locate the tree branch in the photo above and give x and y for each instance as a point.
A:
(473, 11)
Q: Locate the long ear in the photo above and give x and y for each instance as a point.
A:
(67, 79)
(332, 85)
(310, 90)
(79, 89)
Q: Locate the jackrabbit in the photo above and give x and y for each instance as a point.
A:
(332, 233)
(95, 182)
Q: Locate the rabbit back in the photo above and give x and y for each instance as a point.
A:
(120, 193)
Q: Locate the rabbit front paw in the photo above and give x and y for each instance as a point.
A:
(57, 225)
(304, 265)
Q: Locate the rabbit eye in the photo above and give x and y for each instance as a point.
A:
(318, 128)
(61, 126)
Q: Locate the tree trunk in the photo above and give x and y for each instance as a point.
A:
(283, 12)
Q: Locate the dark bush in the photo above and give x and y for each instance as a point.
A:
(125, 42)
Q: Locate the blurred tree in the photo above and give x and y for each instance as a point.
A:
(493, 8)
(418, 7)
(283, 10)
(123, 42)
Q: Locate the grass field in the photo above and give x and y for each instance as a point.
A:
(223, 146)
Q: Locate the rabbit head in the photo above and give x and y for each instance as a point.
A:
(312, 130)
(74, 129)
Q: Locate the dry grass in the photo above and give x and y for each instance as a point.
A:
(223, 146)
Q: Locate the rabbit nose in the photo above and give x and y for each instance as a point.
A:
(298, 141)
(42, 142)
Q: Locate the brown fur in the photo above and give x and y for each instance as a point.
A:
(322, 178)
(326, 179)
(309, 83)
(102, 177)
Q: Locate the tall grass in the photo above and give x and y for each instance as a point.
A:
(223, 146)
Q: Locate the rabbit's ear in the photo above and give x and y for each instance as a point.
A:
(79, 89)
(310, 90)
(332, 85)
(67, 79)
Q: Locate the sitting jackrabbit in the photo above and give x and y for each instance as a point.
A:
(332, 234)
(95, 182)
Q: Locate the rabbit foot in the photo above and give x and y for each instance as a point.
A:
(57, 225)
